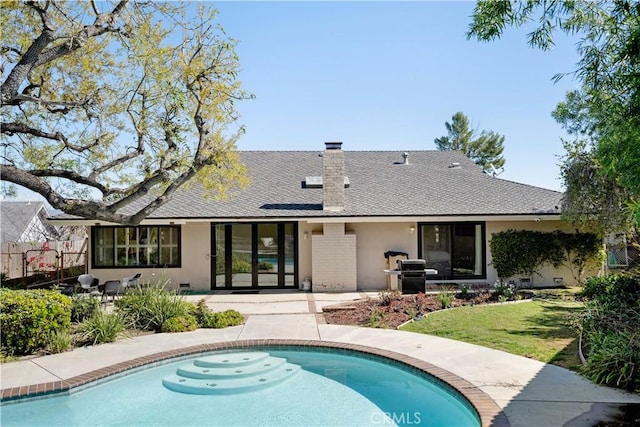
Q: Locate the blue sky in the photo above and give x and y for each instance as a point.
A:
(387, 75)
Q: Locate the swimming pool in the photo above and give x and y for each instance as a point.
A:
(332, 387)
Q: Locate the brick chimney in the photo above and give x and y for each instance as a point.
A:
(333, 177)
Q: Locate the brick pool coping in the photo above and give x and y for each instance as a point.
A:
(489, 412)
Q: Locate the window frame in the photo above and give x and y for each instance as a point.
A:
(451, 225)
(138, 246)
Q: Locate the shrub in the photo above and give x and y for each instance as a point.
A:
(102, 327)
(59, 341)
(445, 297)
(614, 358)
(614, 291)
(184, 323)
(505, 291)
(208, 320)
(30, 318)
(214, 320)
(83, 307)
(609, 327)
(201, 313)
(147, 308)
(387, 296)
(464, 291)
(376, 320)
(224, 319)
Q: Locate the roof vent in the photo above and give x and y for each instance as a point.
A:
(405, 156)
(454, 165)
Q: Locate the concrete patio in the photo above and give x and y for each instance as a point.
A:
(530, 393)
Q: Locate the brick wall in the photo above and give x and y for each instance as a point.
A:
(334, 260)
(333, 196)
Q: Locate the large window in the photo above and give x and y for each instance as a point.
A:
(456, 250)
(148, 246)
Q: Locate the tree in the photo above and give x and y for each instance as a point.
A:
(604, 114)
(591, 199)
(109, 107)
(484, 149)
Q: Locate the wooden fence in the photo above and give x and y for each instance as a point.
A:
(47, 259)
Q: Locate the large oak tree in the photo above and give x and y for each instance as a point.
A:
(108, 107)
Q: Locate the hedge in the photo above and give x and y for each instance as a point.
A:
(522, 252)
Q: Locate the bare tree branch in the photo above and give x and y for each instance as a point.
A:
(26, 98)
(21, 128)
(72, 176)
(13, 128)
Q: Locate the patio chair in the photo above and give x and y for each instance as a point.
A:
(112, 288)
(129, 282)
(89, 283)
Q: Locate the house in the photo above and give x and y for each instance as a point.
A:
(330, 217)
(22, 222)
(30, 244)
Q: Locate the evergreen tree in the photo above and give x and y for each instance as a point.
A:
(484, 149)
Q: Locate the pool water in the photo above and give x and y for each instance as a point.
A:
(331, 389)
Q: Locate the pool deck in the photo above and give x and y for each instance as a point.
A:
(528, 392)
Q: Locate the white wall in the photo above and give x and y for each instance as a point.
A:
(373, 241)
(305, 233)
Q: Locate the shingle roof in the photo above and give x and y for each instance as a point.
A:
(380, 185)
(15, 217)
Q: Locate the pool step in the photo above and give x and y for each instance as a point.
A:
(230, 373)
(207, 372)
(227, 360)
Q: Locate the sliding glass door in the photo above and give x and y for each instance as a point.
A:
(456, 250)
(254, 255)
(240, 252)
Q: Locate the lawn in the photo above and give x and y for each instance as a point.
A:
(534, 329)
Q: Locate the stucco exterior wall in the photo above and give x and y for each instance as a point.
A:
(374, 239)
(305, 261)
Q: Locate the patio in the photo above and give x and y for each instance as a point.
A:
(528, 392)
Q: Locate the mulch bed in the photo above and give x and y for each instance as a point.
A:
(392, 309)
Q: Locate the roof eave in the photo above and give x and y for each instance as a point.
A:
(328, 219)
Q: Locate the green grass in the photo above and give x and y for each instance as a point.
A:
(537, 329)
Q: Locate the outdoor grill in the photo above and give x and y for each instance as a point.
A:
(412, 275)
